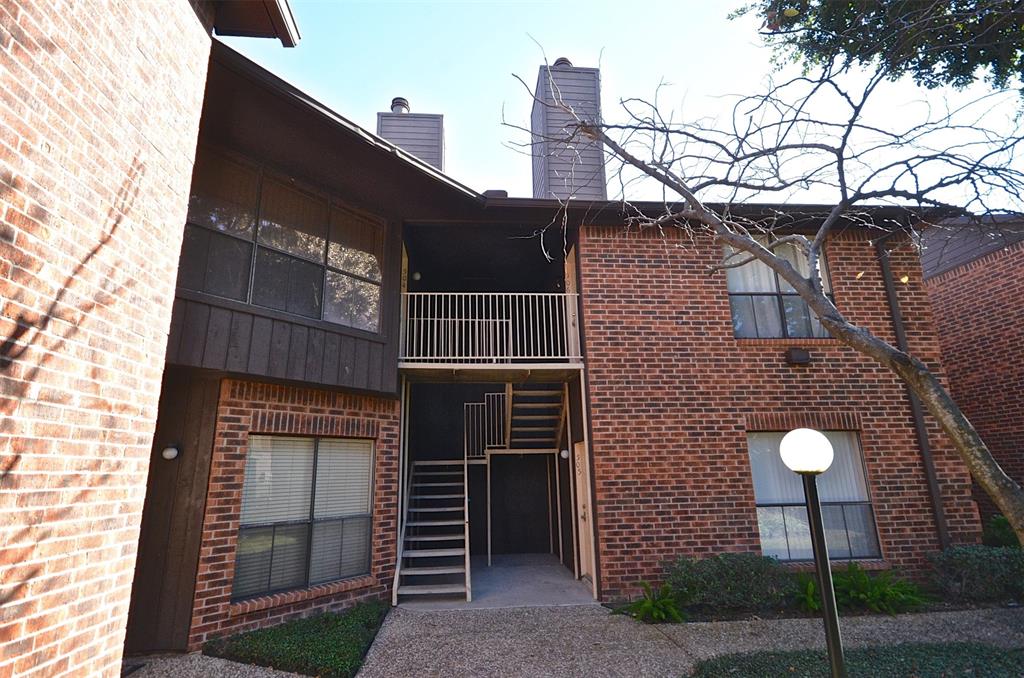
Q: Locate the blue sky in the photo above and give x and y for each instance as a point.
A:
(457, 58)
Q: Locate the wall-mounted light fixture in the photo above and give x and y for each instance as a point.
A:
(565, 454)
(416, 275)
(170, 452)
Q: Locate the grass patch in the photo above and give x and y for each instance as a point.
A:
(917, 660)
(331, 645)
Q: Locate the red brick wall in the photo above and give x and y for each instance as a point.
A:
(99, 112)
(250, 407)
(673, 393)
(979, 314)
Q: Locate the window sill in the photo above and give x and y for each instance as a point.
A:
(299, 595)
(782, 341)
(870, 564)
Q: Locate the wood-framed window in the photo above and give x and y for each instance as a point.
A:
(782, 512)
(305, 515)
(261, 239)
(764, 306)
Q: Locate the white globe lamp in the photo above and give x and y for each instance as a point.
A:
(804, 450)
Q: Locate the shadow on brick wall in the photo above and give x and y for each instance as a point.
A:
(31, 346)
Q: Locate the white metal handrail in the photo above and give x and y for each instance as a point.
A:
(489, 327)
(485, 424)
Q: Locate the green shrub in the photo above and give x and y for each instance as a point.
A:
(807, 597)
(858, 590)
(730, 581)
(979, 573)
(922, 660)
(997, 532)
(328, 645)
(655, 607)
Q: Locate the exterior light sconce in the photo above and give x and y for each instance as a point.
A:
(170, 452)
(564, 454)
(416, 276)
(798, 356)
(809, 453)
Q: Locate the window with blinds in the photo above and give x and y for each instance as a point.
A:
(306, 505)
(765, 306)
(264, 241)
(781, 510)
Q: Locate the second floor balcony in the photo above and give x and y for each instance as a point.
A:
(446, 329)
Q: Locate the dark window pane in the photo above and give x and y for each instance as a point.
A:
(766, 314)
(743, 324)
(817, 329)
(798, 533)
(773, 532)
(325, 553)
(270, 279)
(293, 221)
(798, 319)
(227, 267)
(861, 526)
(355, 547)
(252, 561)
(352, 302)
(192, 264)
(835, 531)
(223, 194)
(305, 288)
(356, 244)
(288, 569)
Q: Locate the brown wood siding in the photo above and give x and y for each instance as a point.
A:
(165, 570)
(243, 339)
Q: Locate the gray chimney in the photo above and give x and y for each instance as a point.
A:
(561, 171)
(421, 134)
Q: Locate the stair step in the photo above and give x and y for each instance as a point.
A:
(433, 553)
(438, 462)
(549, 429)
(431, 523)
(441, 509)
(437, 537)
(438, 484)
(437, 569)
(427, 589)
(546, 406)
(534, 416)
(437, 496)
(537, 393)
(417, 474)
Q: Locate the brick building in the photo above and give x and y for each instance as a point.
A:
(94, 185)
(974, 276)
(374, 384)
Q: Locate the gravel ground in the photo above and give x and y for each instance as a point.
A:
(196, 666)
(590, 642)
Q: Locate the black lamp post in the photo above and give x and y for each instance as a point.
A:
(809, 453)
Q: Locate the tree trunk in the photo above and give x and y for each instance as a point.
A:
(1007, 495)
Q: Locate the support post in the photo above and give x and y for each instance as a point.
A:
(833, 638)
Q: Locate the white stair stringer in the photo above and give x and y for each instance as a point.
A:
(435, 549)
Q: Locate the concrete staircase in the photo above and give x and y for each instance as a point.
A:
(435, 560)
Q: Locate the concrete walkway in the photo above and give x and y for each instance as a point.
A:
(521, 580)
(587, 641)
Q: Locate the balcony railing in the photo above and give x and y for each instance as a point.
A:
(489, 327)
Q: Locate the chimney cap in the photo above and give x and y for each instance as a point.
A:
(400, 105)
(562, 61)
(495, 193)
